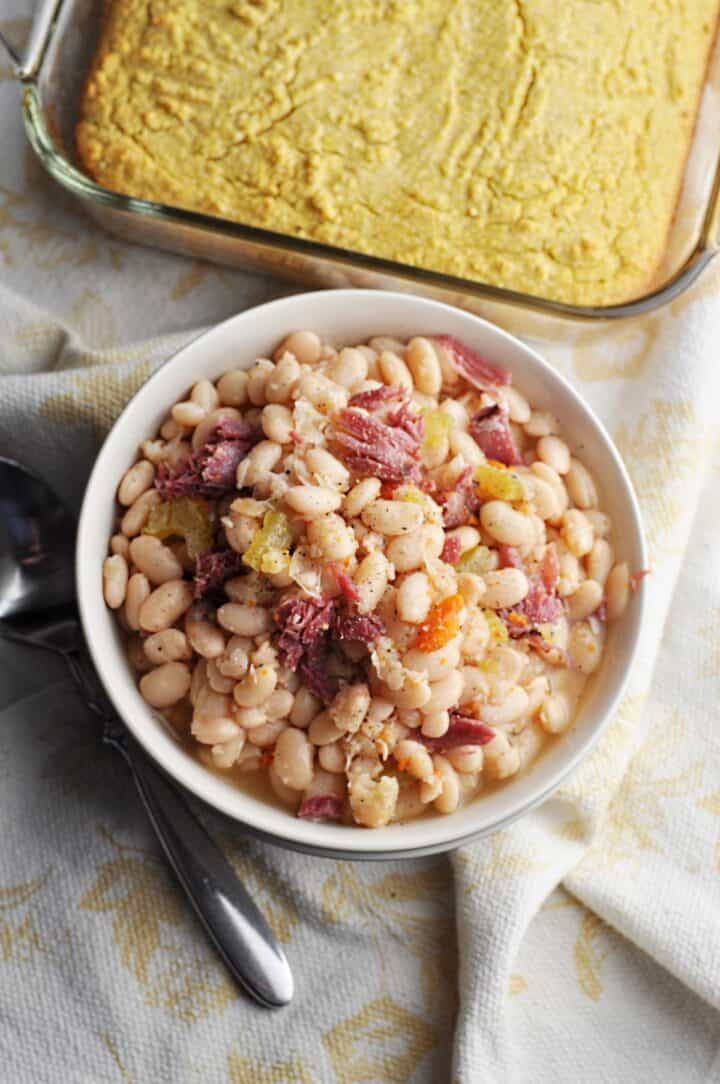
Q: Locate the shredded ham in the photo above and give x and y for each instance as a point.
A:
(509, 557)
(637, 578)
(308, 627)
(550, 568)
(490, 428)
(366, 629)
(321, 807)
(550, 652)
(451, 551)
(371, 447)
(303, 622)
(314, 676)
(469, 364)
(541, 605)
(345, 582)
(463, 730)
(214, 568)
(460, 503)
(210, 470)
(376, 397)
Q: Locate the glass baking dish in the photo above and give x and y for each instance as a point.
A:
(53, 68)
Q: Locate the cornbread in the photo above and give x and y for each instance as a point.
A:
(533, 145)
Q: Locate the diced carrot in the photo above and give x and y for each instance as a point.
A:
(441, 625)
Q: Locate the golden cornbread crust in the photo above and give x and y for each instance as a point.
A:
(530, 144)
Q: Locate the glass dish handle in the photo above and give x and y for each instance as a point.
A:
(26, 63)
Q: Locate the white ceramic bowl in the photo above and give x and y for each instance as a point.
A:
(344, 317)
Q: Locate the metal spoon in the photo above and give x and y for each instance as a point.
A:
(37, 592)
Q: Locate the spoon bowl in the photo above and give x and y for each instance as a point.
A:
(37, 542)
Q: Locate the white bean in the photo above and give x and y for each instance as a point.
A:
(541, 424)
(475, 684)
(581, 486)
(232, 388)
(461, 443)
(121, 545)
(258, 376)
(412, 757)
(392, 517)
(332, 758)
(436, 664)
(408, 552)
(584, 648)
(327, 468)
(205, 395)
(349, 368)
(501, 759)
(165, 605)
(516, 405)
(115, 579)
(305, 708)
(371, 579)
(312, 501)
(325, 395)
(373, 801)
(277, 423)
(244, 620)
(554, 715)
(266, 734)
(332, 537)
(293, 760)
(436, 724)
(554, 452)
(414, 598)
(466, 759)
(360, 496)
(585, 600)
(151, 556)
(304, 345)
(617, 591)
(444, 694)
(448, 799)
(471, 587)
(422, 361)
(512, 707)
(394, 371)
(165, 685)
(205, 637)
(279, 704)
(601, 523)
(138, 589)
(137, 514)
(170, 645)
(255, 687)
(323, 730)
(215, 731)
(188, 414)
(135, 482)
(504, 588)
(280, 383)
(600, 560)
(577, 532)
(506, 525)
(227, 753)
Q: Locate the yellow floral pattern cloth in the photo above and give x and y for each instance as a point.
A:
(581, 944)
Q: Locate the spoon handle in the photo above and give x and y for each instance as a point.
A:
(231, 919)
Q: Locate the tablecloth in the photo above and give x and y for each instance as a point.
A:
(581, 944)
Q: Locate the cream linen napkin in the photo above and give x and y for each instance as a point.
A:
(589, 947)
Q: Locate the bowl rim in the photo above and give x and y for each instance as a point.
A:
(307, 836)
